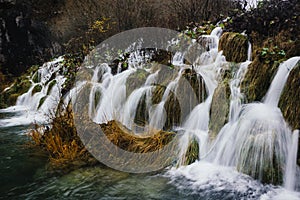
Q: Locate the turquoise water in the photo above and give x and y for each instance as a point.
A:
(24, 176)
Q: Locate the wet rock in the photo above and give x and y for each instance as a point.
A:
(234, 47)
(192, 153)
(289, 102)
(190, 92)
(219, 110)
(136, 80)
(258, 79)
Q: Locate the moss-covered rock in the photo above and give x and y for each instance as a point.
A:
(21, 86)
(267, 167)
(136, 80)
(258, 79)
(37, 89)
(173, 111)
(142, 115)
(234, 47)
(42, 100)
(190, 92)
(219, 110)
(289, 101)
(51, 84)
(192, 153)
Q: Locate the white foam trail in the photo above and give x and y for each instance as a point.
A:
(290, 176)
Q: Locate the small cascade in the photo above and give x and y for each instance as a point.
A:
(157, 113)
(113, 97)
(130, 107)
(236, 96)
(43, 76)
(40, 102)
(279, 81)
(257, 138)
(249, 51)
(132, 102)
(290, 177)
(196, 124)
(178, 58)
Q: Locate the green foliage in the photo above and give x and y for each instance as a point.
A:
(71, 65)
(37, 89)
(272, 54)
(42, 100)
(51, 84)
(194, 30)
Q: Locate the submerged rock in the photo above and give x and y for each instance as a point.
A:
(234, 47)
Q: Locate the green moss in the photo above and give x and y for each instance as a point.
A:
(267, 169)
(289, 101)
(157, 94)
(42, 101)
(37, 89)
(234, 47)
(219, 110)
(141, 117)
(97, 97)
(51, 84)
(192, 153)
(36, 78)
(136, 80)
(258, 79)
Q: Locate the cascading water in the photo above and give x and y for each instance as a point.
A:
(256, 143)
(256, 140)
(41, 100)
(279, 81)
(290, 178)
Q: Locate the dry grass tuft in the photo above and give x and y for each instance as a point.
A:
(125, 139)
(62, 143)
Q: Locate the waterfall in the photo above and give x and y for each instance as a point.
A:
(291, 166)
(196, 124)
(249, 51)
(236, 96)
(40, 102)
(279, 81)
(157, 113)
(255, 141)
(256, 138)
(113, 98)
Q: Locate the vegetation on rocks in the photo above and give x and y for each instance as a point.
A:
(219, 110)
(19, 86)
(272, 28)
(234, 47)
(192, 153)
(289, 102)
(258, 79)
(62, 144)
